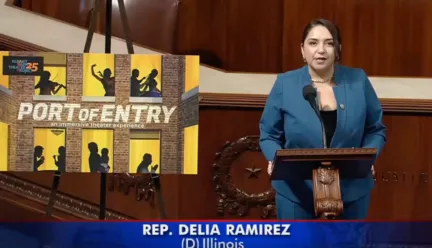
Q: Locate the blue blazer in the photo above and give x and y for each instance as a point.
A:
(288, 121)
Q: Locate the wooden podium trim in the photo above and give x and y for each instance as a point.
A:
(327, 194)
(324, 154)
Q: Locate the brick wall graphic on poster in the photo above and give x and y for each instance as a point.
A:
(94, 113)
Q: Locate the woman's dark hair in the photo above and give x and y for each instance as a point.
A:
(333, 29)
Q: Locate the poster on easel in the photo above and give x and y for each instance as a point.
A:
(99, 113)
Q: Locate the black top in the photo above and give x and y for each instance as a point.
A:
(329, 119)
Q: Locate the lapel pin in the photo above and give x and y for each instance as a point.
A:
(342, 106)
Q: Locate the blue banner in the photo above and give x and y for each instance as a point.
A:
(216, 234)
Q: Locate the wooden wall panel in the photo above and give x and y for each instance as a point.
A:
(254, 32)
(386, 38)
(202, 30)
(75, 12)
(152, 23)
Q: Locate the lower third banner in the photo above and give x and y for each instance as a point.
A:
(215, 234)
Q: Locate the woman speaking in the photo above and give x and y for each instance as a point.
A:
(350, 111)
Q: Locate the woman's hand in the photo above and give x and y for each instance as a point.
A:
(373, 170)
(270, 167)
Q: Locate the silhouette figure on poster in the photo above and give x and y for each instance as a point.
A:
(60, 159)
(94, 158)
(106, 80)
(98, 163)
(146, 161)
(46, 86)
(135, 88)
(38, 158)
(150, 85)
(105, 160)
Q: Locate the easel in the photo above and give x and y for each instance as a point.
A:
(126, 30)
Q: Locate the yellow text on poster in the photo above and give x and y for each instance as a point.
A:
(190, 152)
(144, 151)
(192, 72)
(4, 79)
(143, 65)
(52, 74)
(51, 141)
(104, 140)
(4, 146)
(103, 67)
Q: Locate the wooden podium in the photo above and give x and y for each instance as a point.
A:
(324, 167)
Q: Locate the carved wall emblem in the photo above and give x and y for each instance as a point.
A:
(231, 198)
(253, 172)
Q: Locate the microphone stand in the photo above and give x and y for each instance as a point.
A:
(313, 102)
(324, 139)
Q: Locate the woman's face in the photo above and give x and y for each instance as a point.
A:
(318, 49)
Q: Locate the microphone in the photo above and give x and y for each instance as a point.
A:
(309, 94)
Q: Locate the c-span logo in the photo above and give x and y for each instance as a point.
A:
(22, 65)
